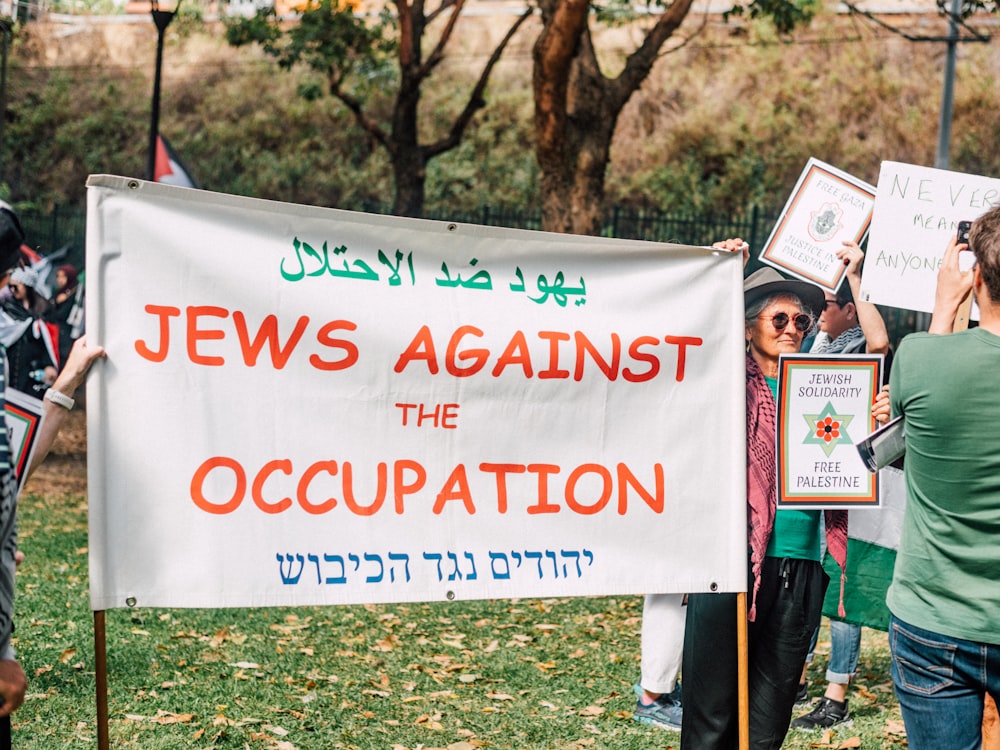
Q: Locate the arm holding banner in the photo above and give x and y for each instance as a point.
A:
(953, 287)
(735, 245)
(58, 404)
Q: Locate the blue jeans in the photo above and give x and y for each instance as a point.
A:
(941, 683)
(845, 649)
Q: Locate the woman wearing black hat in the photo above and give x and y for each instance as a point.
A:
(786, 582)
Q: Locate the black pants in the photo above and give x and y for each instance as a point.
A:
(789, 606)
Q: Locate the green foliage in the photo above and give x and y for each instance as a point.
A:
(328, 39)
(785, 14)
(727, 121)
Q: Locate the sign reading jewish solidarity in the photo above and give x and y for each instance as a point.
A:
(917, 211)
(310, 406)
(824, 410)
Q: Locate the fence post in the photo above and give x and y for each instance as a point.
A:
(54, 232)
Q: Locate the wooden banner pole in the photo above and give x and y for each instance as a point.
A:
(743, 669)
(101, 671)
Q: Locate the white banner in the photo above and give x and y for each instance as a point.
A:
(917, 210)
(308, 406)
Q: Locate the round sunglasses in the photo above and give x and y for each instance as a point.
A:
(802, 321)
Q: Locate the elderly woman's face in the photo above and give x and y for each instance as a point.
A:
(774, 331)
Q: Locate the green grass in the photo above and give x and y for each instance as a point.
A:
(495, 674)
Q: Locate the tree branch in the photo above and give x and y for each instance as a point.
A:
(369, 125)
(553, 55)
(640, 62)
(476, 100)
(437, 54)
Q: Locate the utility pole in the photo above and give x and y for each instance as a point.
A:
(948, 90)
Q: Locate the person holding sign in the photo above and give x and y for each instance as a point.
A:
(58, 401)
(786, 580)
(945, 591)
(847, 326)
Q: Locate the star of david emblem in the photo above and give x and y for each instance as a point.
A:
(827, 429)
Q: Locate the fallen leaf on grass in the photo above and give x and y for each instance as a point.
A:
(430, 722)
(499, 697)
(66, 655)
(849, 743)
(867, 694)
(895, 727)
(591, 711)
(219, 638)
(167, 717)
(244, 665)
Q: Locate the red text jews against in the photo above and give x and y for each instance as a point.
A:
(336, 345)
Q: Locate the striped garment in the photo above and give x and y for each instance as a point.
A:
(8, 532)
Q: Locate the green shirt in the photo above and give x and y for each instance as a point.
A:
(796, 532)
(947, 574)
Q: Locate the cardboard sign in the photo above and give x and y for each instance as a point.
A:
(23, 417)
(826, 208)
(824, 408)
(917, 211)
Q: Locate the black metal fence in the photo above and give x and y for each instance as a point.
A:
(67, 226)
(48, 231)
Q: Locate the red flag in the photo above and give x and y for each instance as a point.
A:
(169, 169)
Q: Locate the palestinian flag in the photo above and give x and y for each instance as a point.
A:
(872, 540)
(169, 169)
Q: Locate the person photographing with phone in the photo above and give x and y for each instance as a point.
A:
(945, 591)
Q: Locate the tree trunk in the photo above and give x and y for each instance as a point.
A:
(577, 108)
(409, 172)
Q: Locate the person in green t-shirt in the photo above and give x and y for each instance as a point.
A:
(945, 593)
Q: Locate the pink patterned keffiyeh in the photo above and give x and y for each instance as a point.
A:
(762, 423)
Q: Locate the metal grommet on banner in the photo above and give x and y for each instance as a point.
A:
(131, 601)
(450, 596)
(133, 184)
(713, 587)
(452, 227)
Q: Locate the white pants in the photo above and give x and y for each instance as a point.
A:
(662, 641)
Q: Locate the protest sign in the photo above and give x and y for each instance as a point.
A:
(824, 408)
(23, 415)
(311, 406)
(826, 208)
(917, 211)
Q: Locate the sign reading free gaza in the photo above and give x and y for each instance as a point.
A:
(310, 406)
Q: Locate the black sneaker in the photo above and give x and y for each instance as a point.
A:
(802, 697)
(828, 713)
